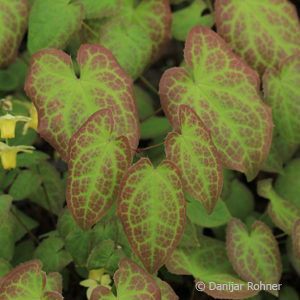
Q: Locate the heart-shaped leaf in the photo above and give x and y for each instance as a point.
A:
(134, 283)
(5, 205)
(296, 237)
(98, 159)
(102, 293)
(152, 209)
(136, 35)
(262, 33)
(100, 9)
(224, 92)
(195, 155)
(13, 23)
(52, 23)
(254, 256)
(102, 84)
(209, 264)
(283, 212)
(26, 282)
(54, 282)
(167, 292)
(282, 94)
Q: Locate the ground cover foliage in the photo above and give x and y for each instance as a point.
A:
(149, 149)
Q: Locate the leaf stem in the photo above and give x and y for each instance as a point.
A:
(150, 147)
(278, 236)
(152, 115)
(90, 30)
(149, 85)
(32, 236)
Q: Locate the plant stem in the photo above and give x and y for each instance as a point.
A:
(152, 115)
(90, 30)
(280, 235)
(150, 147)
(32, 236)
(149, 85)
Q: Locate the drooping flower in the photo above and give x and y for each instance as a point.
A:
(8, 125)
(8, 154)
(33, 123)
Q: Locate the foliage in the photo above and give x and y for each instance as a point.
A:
(149, 149)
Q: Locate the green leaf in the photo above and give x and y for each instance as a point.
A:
(137, 35)
(23, 252)
(53, 23)
(283, 212)
(5, 205)
(185, 19)
(51, 254)
(287, 184)
(126, 279)
(263, 34)
(24, 185)
(282, 93)
(9, 178)
(152, 209)
(66, 223)
(294, 260)
(288, 293)
(296, 237)
(198, 215)
(144, 102)
(14, 17)
(7, 238)
(240, 202)
(154, 127)
(209, 263)
(98, 160)
(5, 267)
(25, 282)
(29, 159)
(254, 256)
(100, 9)
(102, 84)
(191, 149)
(52, 193)
(224, 92)
(167, 292)
(102, 293)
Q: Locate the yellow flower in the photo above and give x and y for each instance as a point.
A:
(8, 154)
(8, 125)
(33, 123)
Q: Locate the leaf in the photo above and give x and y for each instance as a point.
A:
(25, 282)
(98, 160)
(294, 260)
(240, 202)
(152, 210)
(52, 195)
(7, 238)
(54, 282)
(283, 212)
(144, 102)
(224, 92)
(51, 253)
(14, 18)
(5, 205)
(287, 184)
(281, 89)
(134, 283)
(198, 215)
(262, 33)
(209, 263)
(23, 252)
(254, 256)
(102, 84)
(100, 9)
(187, 18)
(137, 35)
(167, 292)
(296, 237)
(53, 23)
(29, 159)
(102, 293)
(154, 127)
(24, 185)
(9, 178)
(52, 296)
(100, 255)
(5, 267)
(193, 152)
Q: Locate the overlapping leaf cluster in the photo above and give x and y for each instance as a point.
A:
(124, 222)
